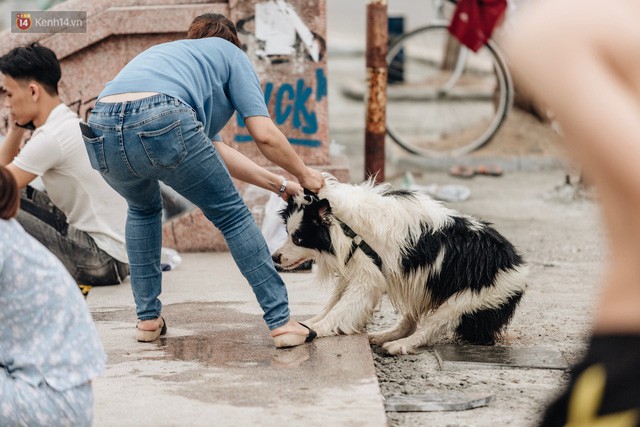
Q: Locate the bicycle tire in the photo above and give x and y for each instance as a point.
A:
(420, 115)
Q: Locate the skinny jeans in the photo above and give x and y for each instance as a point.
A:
(137, 144)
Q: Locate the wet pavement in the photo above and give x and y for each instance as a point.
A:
(217, 364)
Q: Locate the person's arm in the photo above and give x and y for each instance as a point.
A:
(10, 149)
(11, 144)
(21, 176)
(274, 146)
(244, 169)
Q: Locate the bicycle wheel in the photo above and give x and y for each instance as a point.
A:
(441, 104)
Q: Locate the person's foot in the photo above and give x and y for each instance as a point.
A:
(292, 334)
(149, 330)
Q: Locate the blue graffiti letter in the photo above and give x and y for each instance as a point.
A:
(302, 95)
(282, 116)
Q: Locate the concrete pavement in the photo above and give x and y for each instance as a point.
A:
(217, 365)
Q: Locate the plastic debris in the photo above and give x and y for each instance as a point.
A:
(445, 193)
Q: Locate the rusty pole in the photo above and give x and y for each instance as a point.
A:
(377, 38)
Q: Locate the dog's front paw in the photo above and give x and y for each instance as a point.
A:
(378, 338)
(322, 330)
(398, 347)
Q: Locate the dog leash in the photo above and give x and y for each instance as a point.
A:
(357, 242)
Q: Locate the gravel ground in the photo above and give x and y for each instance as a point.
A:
(560, 236)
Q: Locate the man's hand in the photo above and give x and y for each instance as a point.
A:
(13, 140)
(14, 127)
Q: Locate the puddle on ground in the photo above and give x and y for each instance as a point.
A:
(233, 349)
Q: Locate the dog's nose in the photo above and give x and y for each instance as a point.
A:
(277, 258)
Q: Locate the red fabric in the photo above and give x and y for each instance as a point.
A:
(474, 20)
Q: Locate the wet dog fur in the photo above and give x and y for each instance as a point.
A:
(445, 272)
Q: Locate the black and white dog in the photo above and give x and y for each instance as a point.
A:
(445, 272)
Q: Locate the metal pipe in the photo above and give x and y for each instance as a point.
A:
(375, 132)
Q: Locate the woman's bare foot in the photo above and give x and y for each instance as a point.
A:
(150, 325)
(292, 334)
(150, 330)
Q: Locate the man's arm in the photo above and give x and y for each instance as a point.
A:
(9, 150)
(11, 144)
(22, 177)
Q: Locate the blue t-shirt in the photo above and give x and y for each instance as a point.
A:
(211, 75)
(46, 330)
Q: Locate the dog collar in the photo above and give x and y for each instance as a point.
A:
(358, 243)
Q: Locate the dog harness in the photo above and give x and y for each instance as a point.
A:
(357, 242)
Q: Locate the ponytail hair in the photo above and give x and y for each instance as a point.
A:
(9, 195)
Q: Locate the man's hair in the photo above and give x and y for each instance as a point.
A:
(9, 195)
(33, 62)
(213, 25)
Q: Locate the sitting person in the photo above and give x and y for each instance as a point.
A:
(49, 347)
(79, 218)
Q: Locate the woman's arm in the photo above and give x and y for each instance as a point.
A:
(244, 169)
(275, 147)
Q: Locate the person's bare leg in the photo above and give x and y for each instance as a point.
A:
(581, 60)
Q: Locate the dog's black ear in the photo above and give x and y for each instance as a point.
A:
(324, 210)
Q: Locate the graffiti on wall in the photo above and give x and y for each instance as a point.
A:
(291, 105)
(83, 107)
(275, 36)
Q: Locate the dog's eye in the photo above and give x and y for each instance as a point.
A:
(296, 240)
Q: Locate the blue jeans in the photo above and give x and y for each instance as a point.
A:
(85, 261)
(138, 143)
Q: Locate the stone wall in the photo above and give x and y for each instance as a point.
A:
(284, 39)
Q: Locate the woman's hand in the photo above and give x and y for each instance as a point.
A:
(312, 180)
(292, 189)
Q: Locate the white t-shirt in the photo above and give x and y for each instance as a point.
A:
(56, 152)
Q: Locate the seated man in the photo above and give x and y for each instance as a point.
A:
(79, 218)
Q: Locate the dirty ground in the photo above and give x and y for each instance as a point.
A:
(561, 239)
